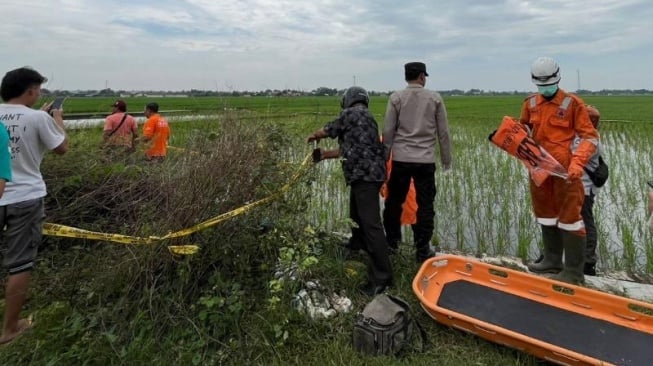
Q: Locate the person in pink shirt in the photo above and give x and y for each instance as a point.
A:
(120, 129)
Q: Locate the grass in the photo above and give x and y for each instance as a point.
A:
(101, 303)
(271, 106)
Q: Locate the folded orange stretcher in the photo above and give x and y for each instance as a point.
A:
(555, 321)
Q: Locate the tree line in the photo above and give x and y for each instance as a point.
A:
(321, 91)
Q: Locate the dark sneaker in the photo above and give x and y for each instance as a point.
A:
(422, 256)
(590, 269)
(351, 245)
(371, 289)
(353, 255)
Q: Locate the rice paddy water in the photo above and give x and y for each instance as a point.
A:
(483, 205)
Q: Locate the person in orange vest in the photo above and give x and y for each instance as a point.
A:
(591, 190)
(554, 118)
(409, 208)
(157, 131)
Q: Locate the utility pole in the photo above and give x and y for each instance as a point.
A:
(578, 79)
(354, 80)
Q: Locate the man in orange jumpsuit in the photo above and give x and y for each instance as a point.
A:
(156, 130)
(554, 118)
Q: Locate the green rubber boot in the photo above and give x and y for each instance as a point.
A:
(574, 259)
(552, 261)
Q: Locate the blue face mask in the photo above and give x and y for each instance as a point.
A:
(547, 90)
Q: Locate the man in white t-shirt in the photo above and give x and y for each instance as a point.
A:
(32, 133)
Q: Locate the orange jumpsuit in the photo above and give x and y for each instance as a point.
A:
(409, 208)
(554, 124)
(156, 127)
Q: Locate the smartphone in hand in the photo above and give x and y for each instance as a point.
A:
(57, 104)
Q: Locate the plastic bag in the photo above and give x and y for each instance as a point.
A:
(513, 138)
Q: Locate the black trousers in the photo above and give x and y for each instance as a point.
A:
(590, 228)
(364, 210)
(398, 185)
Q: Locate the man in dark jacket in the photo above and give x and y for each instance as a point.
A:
(363, 164)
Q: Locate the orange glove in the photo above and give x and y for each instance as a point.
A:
(583, 152)
(575, 170)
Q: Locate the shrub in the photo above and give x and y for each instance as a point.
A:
(131, 300)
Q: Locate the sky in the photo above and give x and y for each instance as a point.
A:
(305, 44)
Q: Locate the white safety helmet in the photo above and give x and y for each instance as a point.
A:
(545, 71)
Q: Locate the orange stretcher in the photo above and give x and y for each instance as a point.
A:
(555, 321)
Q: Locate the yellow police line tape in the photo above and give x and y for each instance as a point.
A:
(73, 232)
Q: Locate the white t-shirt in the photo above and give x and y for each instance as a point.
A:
(32, 133)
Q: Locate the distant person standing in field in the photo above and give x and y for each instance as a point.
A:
(555, 118)
(363, 165)
(591, 190)
(120, 128)
(415, 119)
(156, 132)
(32, 134)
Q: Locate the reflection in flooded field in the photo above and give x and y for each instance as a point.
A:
(483, 204)
(94, 122)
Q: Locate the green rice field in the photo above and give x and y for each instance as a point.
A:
(231, 303)
(482, 205)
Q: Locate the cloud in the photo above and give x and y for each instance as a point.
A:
(258, 44)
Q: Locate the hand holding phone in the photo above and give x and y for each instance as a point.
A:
(57, 103)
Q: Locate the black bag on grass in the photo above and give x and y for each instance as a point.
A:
(600, 175)
(384, 326)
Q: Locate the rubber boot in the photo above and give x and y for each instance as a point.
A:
(574, 259)
(423, 251)
(552, 251)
